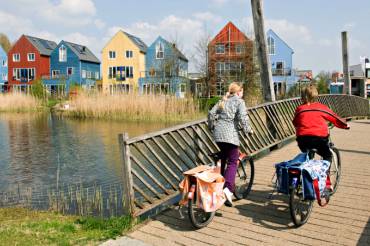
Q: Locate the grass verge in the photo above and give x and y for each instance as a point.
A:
(19, 226)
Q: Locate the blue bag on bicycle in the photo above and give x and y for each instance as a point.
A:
(309, 170)
(282, 175)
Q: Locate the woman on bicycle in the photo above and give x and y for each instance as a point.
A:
(224, 120)
(310, 122)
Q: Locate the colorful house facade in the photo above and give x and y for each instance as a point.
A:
(3, 69)
(28, 60)
(70, 64)
(123, 59)
(166, 70)
(230, 58)
(281, 60)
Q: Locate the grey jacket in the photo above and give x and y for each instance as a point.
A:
(224, 123)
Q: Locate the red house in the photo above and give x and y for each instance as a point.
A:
(230, 59)
(28, 60)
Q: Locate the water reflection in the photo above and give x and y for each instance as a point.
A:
(44, 156)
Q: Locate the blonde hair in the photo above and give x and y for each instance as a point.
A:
(234, 88)
(309, 94)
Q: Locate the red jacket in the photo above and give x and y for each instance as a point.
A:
(310, 120)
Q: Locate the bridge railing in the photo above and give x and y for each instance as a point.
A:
(153, 163)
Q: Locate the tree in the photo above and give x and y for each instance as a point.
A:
(322, 81)
(5, 43)
(201, 53)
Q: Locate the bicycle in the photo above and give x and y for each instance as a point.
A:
(300, 208)
(243, 185)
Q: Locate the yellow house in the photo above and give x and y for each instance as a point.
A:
(123, 60)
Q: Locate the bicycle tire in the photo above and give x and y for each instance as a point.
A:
(299, 216)
(244, 178)
(198, 217)
(335, 170)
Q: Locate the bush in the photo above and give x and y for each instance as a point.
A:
(37, 89)
(206, 104)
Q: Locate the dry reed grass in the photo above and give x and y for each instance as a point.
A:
(17, 102)
(133, 107)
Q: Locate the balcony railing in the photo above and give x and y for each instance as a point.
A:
(281, 72)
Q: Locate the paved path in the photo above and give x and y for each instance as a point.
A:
(261, 221)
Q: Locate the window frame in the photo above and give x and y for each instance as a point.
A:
(62, 53)
(271, 45)
(112, 55)
(16, 55)
(28, 57)
(159, 49)
(217, 49)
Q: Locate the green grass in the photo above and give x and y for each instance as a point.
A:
(20, 226)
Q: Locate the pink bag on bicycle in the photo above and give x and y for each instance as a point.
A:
(210, 196)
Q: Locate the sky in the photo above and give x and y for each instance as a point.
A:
(311, 27)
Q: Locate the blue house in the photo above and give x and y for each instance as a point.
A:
(72, 64)
(281, 59)
(166, 70)
(3, 69)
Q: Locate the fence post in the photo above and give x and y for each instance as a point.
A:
(128, 190)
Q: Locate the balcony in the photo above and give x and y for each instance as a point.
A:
(281, 72)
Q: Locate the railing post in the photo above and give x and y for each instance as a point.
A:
(128, 190)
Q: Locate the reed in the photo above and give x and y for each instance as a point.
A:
(133, 107)
(17, 102)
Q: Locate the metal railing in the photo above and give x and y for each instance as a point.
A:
(153, 163)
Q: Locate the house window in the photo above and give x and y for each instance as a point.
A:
(69, 71)
(280, 68)
(220, 88)
(271, 45)
(159, 51)
(4, 63)
(55, 74)
(220, 68)
(16, 57)
(238, 48)
(62, 54)
(220, 49)
(31, 57)
(112, 55)
(84, 74)
(96, 75)
(129, 54)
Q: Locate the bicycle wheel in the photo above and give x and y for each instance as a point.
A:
(335, 169)
(244, 178)
(198, 217)
(300, 209)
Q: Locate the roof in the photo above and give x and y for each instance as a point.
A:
(229, 33)
(270, 30)
(83, 53)
(45, 47)
(137, 41)
(178, 53)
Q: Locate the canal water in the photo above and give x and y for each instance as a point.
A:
(73, 166)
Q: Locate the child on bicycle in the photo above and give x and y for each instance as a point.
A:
(223, 121)
(310, 122)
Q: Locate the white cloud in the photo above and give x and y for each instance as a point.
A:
(325, 42)
(208, 17)
(99, 24)
(69, 12)
(289, 31)
(349, 26)
(13, 26)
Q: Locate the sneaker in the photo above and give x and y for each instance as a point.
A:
(229, 197)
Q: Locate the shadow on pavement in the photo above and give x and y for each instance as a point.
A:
(270, 213)
(365, 236)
